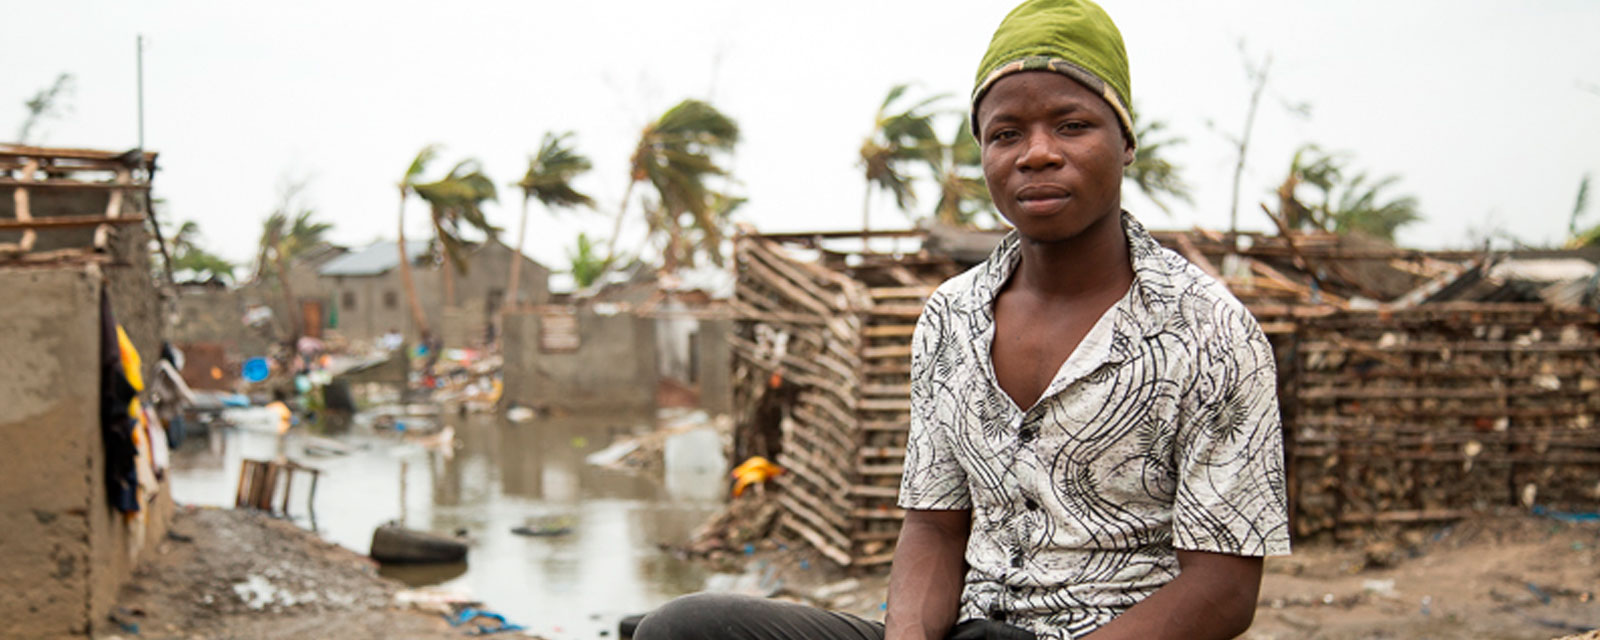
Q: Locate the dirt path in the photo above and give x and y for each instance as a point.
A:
(1496, 578)
(239, 574)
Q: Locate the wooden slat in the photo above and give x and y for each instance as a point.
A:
(895, 470)
(886, 390)
(874, 492)
(902, 293)
(1366, 393)
(1480, 346)
(889, 331)
(63, 184)
(800, 295)
(66, 222)
(895, 351)
(816, 518)
(816, 540)
(898, 311)
(885, 404)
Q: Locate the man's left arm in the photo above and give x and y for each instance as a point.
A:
(1214, 596)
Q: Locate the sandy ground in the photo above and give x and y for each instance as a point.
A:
(237, 574)
(234, 574)
(1497, 578)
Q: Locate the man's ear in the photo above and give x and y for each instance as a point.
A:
(1127, 154)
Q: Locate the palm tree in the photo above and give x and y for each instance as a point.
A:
(188, 254)
(407, 186)
(1356, 204)
(958, 167)
(586, 265)
(897, 138)
(1361, 208)
(1575, 237)
(284, 236)
(456, 203)
(1155, 175)
(676, 155)
(549, 179)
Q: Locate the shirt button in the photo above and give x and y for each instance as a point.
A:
(997, 615)
(1016, 561)
(1030, 504)
(1026, 435)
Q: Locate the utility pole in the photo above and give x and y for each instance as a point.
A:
(148, 171)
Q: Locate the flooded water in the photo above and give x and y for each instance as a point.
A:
(502, 476)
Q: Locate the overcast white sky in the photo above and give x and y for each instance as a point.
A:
(1489, 111)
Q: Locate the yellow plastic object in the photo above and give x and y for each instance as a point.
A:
(756, 470)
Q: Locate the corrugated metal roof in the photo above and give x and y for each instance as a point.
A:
(373, 260)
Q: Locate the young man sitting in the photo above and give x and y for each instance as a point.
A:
(1094, 448)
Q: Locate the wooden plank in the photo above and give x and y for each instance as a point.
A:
(1421, 515)
(894, 351)
(795, 274)
(1452, 372)
(886, 425)
(67, 153)
(799, 295)
(889, 331)
(876, 560)
(825, 525)
(1188, 250)
(70, 185)
(1458, 346)
(816, 540)
(887, 368)
(880, 514)
(885, 404)
(896, 311)
(894, 470)
(901, 293)
(1380, 393)
(886, 390)
(875, 492)
(880, 452)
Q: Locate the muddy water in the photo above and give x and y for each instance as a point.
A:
(502, 476)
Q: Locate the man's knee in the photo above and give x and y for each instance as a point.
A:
(699, 615)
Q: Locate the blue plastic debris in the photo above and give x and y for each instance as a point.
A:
(1566, 516)
(469, 615)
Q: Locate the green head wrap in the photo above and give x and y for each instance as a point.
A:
(1072, 37)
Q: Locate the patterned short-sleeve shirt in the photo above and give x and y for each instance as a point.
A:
(1159, 432)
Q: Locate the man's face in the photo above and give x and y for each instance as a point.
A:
(1053, 154)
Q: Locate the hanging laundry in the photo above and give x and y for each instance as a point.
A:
(116, 423)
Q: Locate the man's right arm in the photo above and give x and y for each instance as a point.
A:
(927, 575)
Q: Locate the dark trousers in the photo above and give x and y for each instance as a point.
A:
(716, 616)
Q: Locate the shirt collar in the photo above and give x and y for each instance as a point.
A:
(1139, 314)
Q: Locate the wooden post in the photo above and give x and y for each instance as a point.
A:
(403, 465)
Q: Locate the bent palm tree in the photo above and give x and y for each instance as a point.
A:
(549, 179)
(897, 138)
(1152, 172)
(282, 240)
(1345, 205)
(676, 155)
(962, 191)
(407, 185)
(455, 203)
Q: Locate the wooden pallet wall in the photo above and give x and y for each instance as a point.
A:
(1441, 411)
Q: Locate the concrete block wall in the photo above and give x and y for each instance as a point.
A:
(613, 369)
(64, 552)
